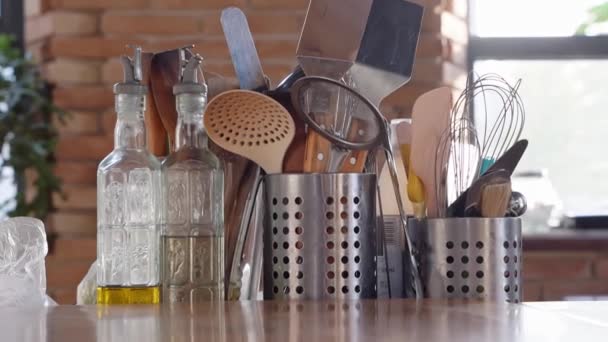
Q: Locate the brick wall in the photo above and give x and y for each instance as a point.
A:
(78, 43)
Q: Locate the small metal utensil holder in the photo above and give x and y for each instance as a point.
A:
(472, 258)
(320, 236)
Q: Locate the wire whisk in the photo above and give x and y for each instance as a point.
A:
(497, 111)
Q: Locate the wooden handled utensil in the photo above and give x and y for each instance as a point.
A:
(430, 119)
(251, 125)
(156, 135)
(495, 199)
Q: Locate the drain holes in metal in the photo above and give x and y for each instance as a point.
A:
(331, 289)
(300, 275)
(357, 288)
(465, 259)
(285, 216)
(344, 289)
(479, 274)
(506, 259)
(330, 260)
(275, 216)
(286, 289)
(299, 289)
(299, 260)
(331, 275)
(479, 260)
(507, 274)
(275, 289)
(330, 245)
(286, 245)
(449, 245)
(357, 244)
(505, 244)
(464, 245)
(286, 260)
(285, 230)
(450, 274)
(450, 288)
(275, 275)
(329, 215)
(357, 229)
(344, 230)
(329, 230)
(285, 201)
(298, 200)
(344, 215)
(344, 259)
(357, 259)
(275, 230)
(344, 245)
(449, 260)
(299, 244)
(356, 200)
(343, 200)
(286, 275)
(464, 274)
(465, 289)
(479, 245)
(329, 201)
(357, 274)
(514, 244)
(356, 215)
(299, 230)
(299, 215)
(480, 289)
(344, 274)
(274, 201)
(275, 260)
(507, 288)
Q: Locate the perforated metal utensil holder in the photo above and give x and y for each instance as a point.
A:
(477, 258)
(320, 236)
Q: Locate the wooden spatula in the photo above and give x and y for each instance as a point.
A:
(156, 135)
(495, 199)
(430, 118)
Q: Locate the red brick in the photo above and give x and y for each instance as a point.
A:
(81, 223)
(149, 24)
(73, 71)
(83, 148)
(95, 47)
(275, 4)
(108, 122)
(558, 290)
(556, 266)
(454, 28)
(405, 96)
(39, 51)
(76, 197)
(84, 97)
(277, 71)
(61, 273)
(72, 249)
(276, 49)
(74, 23)
(196, 4)
(33, 8)
(84, 173)
(271, 22)
(601, 268)
(99, 4)
(38, 28)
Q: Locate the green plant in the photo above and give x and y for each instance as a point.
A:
(597, 14)
(27, 135)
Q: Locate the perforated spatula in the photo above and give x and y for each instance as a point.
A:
(251, 125)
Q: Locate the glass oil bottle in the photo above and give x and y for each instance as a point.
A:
(192, 238)
(128, 202)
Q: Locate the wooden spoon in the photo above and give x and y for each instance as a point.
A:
(430, 118)
(156, 135)
(251, 125)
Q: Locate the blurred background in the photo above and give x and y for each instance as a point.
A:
(57, 120)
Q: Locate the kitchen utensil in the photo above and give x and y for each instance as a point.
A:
(499, 114)
(495, 199)
(385, 59)
(415, 189)
(328, 45)
(242, 50)
(251, 125)
(508, 161)
(518, 205)
(474, 193)
(375, 134)
(331, 36)
(156, 135)
(457, 163)
(430, 120)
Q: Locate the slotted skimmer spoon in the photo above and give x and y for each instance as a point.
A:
(251, 125)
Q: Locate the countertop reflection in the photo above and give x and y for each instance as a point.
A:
(398, 320)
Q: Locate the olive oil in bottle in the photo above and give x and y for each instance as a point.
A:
(128, 194)
(192, 253)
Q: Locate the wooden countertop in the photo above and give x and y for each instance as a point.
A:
(396, 320)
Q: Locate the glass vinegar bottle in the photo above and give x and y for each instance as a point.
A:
(128, 201)
(192, 238)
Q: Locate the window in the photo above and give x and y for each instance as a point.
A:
(564, 78)
(11, 19)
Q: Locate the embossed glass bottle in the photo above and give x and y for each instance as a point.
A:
(192, 239)
(128, 194)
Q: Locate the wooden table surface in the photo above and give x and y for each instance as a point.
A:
(396, 320)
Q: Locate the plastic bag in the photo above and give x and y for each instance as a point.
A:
(86, 293)
(23, 248)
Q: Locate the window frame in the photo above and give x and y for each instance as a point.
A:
(12, 20)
